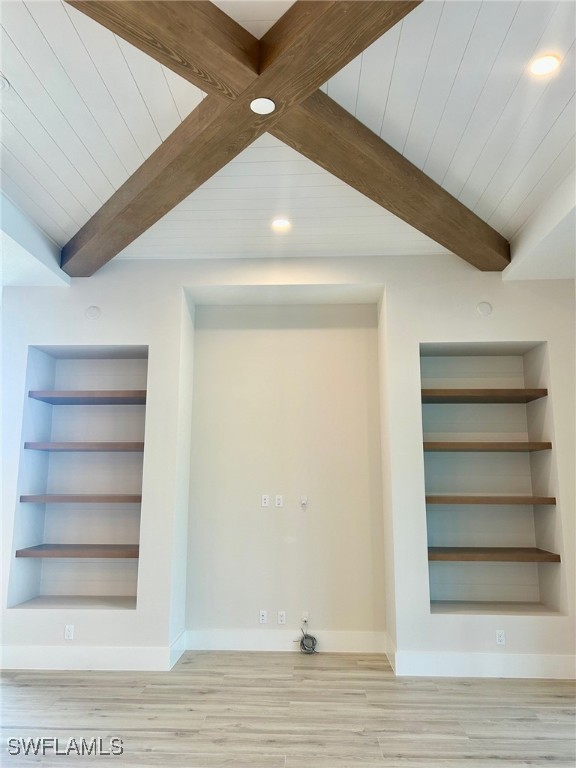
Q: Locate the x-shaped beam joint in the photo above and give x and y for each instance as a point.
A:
(307, 46)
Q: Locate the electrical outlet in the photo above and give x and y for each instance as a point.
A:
(500, 637)
(281, 617)
(305, 617)
(263, 617)
(69, 632)
(279, 500)
(265, 500)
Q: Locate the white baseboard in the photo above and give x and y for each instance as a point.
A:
(160, 659)
(283, 640)
(177, 647)
(404, 663)
(550, 667)
(391, 654)
(149, 659)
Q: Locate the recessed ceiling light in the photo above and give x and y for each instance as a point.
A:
(281, 225)
(4, 83)
(544, 65)
(262, 106)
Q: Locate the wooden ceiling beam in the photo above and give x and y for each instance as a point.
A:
(161, 182)
(205, 46)
(306, 47)
(330, 136)
(329, 33)
(195, 39)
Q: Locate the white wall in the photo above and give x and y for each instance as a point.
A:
(136, 309)
(32, 474)
(286, 402)
(179, 555)
(442, 307)
(427, 299)
(505, 473)
(388, 457)
(27, 255)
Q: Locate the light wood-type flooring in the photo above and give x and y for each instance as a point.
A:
(289, 710)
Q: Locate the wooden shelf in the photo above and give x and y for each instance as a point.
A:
(96, 490)
(80, 550)
(482, 395)
(499, 446)
(499, 500)
(493, 554)
(470, 418)
(90, 397)
(86, 447)
(488, 607)
(82, 498)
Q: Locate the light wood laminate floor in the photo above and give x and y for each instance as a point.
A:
(289, 710)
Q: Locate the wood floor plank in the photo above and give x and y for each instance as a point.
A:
(462, 750)
(286, 710)
(523, 729)
(438, 762)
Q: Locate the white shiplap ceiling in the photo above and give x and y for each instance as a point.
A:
(448, 87)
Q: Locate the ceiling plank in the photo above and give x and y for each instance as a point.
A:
(316, 38)
(328, 135)
(195, 39)
(301, 52)
(161, 182)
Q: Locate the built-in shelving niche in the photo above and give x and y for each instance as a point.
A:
(77, 521)
(494, 533)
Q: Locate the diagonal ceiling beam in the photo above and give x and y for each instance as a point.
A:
(228, 62)
(330, 136)
(215, 53)
(305, 48)
(195, 39)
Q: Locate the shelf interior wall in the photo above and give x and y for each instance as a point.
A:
(44, 472)
(489, 473)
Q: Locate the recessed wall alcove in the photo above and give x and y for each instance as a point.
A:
(494, 531)
(286, 402)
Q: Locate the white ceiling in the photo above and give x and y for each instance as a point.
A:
(231, 214)
(257, 16)
(448, 87)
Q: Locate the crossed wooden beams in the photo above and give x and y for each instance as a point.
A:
(309, 44)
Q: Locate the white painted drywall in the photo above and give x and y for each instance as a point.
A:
(135, 310)
(427, 300)
(286, 402)
(179, 555)
(432, 309)
(545, 247)
(27, 255)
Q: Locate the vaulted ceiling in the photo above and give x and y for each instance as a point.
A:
(446, 86)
